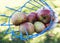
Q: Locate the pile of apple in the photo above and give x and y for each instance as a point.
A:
(35, 21)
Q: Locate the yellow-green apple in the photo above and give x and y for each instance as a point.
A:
(39, 26)
(18, 18)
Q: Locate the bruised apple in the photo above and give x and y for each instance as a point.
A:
(18, 18)
(27, 27)
(32, 17)
(39, 26)
(44, 15)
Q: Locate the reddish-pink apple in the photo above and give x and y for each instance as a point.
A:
(46, 25)
(27, 27)
(44, 15)
(32, 17)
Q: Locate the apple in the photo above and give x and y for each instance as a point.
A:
(59, 21)
(46, 25)
(18, 18)
(39, 26)
(27, 26)
(44, 15)
(32, 17)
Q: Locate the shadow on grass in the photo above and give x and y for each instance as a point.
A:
(52, 38)
(49, 39)
(2, 35)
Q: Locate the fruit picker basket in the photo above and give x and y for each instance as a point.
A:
(36, 6)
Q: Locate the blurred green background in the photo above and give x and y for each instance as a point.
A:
(52, 36)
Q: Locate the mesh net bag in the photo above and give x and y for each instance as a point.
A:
(30, 6)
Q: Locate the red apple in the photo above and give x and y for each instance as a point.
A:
(44, 15)
(32, 17)
(39, 26)
(18, 18)
(59, 21)
(46, 25)
(29, 27)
